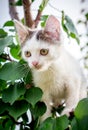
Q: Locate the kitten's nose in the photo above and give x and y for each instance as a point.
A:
(34, 63)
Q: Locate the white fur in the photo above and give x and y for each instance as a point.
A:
(60, 76)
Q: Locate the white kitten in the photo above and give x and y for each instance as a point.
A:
(54, 70)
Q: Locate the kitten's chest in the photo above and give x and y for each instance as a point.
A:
(50, 81)
(44, 79)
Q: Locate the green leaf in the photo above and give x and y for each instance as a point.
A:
(75, 37)
(15, 51)
(43, 24)
(82, 109)
(18, 108)
(33, 95)
(12, 93)
(83, 123)
(8, 23)
(79, 21)
(25, 118)
(1, 126)
(47, 124)
(43, 5)
(3, 106)
(38, 110)
(86, 15)
(43, 19)
(63, 22)
(4, 42)
(13, 71)
(74, 124)
(81, 114)
(61, 123)
(33, 0)
(8, 124)
(28, 78)
(3, 84)
(69, 27)
(79, 124)
(19, 3)
(3, 33)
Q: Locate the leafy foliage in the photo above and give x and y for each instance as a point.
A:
(69, 27)
(5, 42)
(11, 94)
(59, 123)
(18, 95)
(33, 95)
(43, 5)
(9, 23)
(43, 20)
(2, 33)
(19, 3)
(12, 71)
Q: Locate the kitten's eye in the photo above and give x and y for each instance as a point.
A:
(27, 53)
(44, 52)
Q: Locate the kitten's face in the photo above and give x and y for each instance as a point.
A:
(39, 54)
(40, 48)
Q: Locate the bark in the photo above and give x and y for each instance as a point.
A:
(36, 22)
(27, 13)
(12, 10)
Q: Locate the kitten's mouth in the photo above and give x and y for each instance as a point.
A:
(37, 67)
(40, 67)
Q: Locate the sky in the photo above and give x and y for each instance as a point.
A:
(71, 8)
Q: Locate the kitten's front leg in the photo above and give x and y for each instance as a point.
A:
(71, 99)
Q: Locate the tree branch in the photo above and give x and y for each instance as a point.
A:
(37, 18)
(41, 8)
(27, 13)
(12, 10)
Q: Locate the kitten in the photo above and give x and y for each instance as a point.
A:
(54, 70)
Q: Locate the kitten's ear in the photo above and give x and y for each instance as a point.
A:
(22, 31)
(52, 27)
